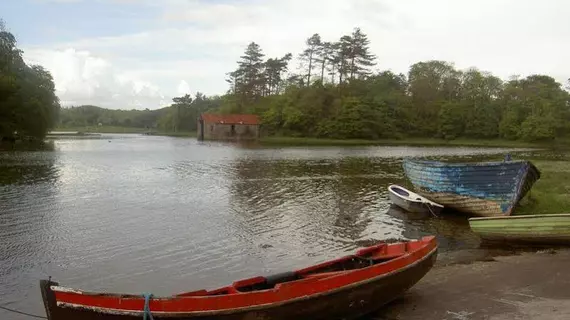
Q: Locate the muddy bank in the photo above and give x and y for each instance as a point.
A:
(523, 286)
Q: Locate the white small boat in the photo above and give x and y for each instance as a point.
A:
(411, 201)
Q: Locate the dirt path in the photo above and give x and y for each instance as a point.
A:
(526, 286)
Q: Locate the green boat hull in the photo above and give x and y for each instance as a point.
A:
(539, 229)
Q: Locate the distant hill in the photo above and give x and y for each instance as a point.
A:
(180, 116)
(89, 115)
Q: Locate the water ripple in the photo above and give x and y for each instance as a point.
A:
(170, 215)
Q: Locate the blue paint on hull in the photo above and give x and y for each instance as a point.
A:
(503, 183)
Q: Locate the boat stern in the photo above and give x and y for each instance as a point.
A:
(48, 297)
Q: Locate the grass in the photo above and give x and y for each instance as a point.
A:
(293, 141)
(550, 194)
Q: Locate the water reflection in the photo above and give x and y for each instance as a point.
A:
(451, 229)
(314, 207)
(27, 168)
(330, 207)
(28, 230)
(27, 146)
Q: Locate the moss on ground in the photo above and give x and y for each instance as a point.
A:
(551, 193)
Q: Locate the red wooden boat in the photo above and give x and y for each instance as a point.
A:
(344, 288)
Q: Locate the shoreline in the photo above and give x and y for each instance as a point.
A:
(548, 195)
(527, 285)
(74, 133)
(283, 141)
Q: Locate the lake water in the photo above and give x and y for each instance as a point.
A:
(131, 213)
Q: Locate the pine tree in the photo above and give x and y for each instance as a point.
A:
(334, 61)
(274, 68)
(314, 44)
(251, 65)
(344, 55)
(325, 55)
(247, 80)
(359, 54)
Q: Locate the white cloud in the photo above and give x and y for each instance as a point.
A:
(183, 88)
(200, 41)
(82, 78)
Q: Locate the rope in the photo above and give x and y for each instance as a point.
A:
(24, 313)
(430, 210)
(147, 314)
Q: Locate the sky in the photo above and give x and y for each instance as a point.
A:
(124, 54)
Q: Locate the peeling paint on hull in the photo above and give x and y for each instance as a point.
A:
(469, 205)
(481, 189)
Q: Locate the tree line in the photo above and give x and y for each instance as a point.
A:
(335, 94)
(89, 115)
(28, 104)
(338, 95)
(181, 116)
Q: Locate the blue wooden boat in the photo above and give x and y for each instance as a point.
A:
(482, 189)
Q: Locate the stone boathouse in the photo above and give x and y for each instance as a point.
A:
(228, 126)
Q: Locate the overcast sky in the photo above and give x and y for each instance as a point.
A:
(141, 53)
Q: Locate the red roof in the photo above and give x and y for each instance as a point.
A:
(249, 119)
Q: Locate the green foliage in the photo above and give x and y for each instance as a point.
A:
(357, 119)
(477, 96)
(181, 116)
(28, 104)
(431, 84)
(451, 124)
(336, 95)
(356, 52)
(435, 100)
(91, 116)
(536, 109)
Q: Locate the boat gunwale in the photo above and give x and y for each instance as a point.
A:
(126, 312)
(437, 163)
(529, 216)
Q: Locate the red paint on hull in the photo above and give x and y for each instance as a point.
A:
(347, 281)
